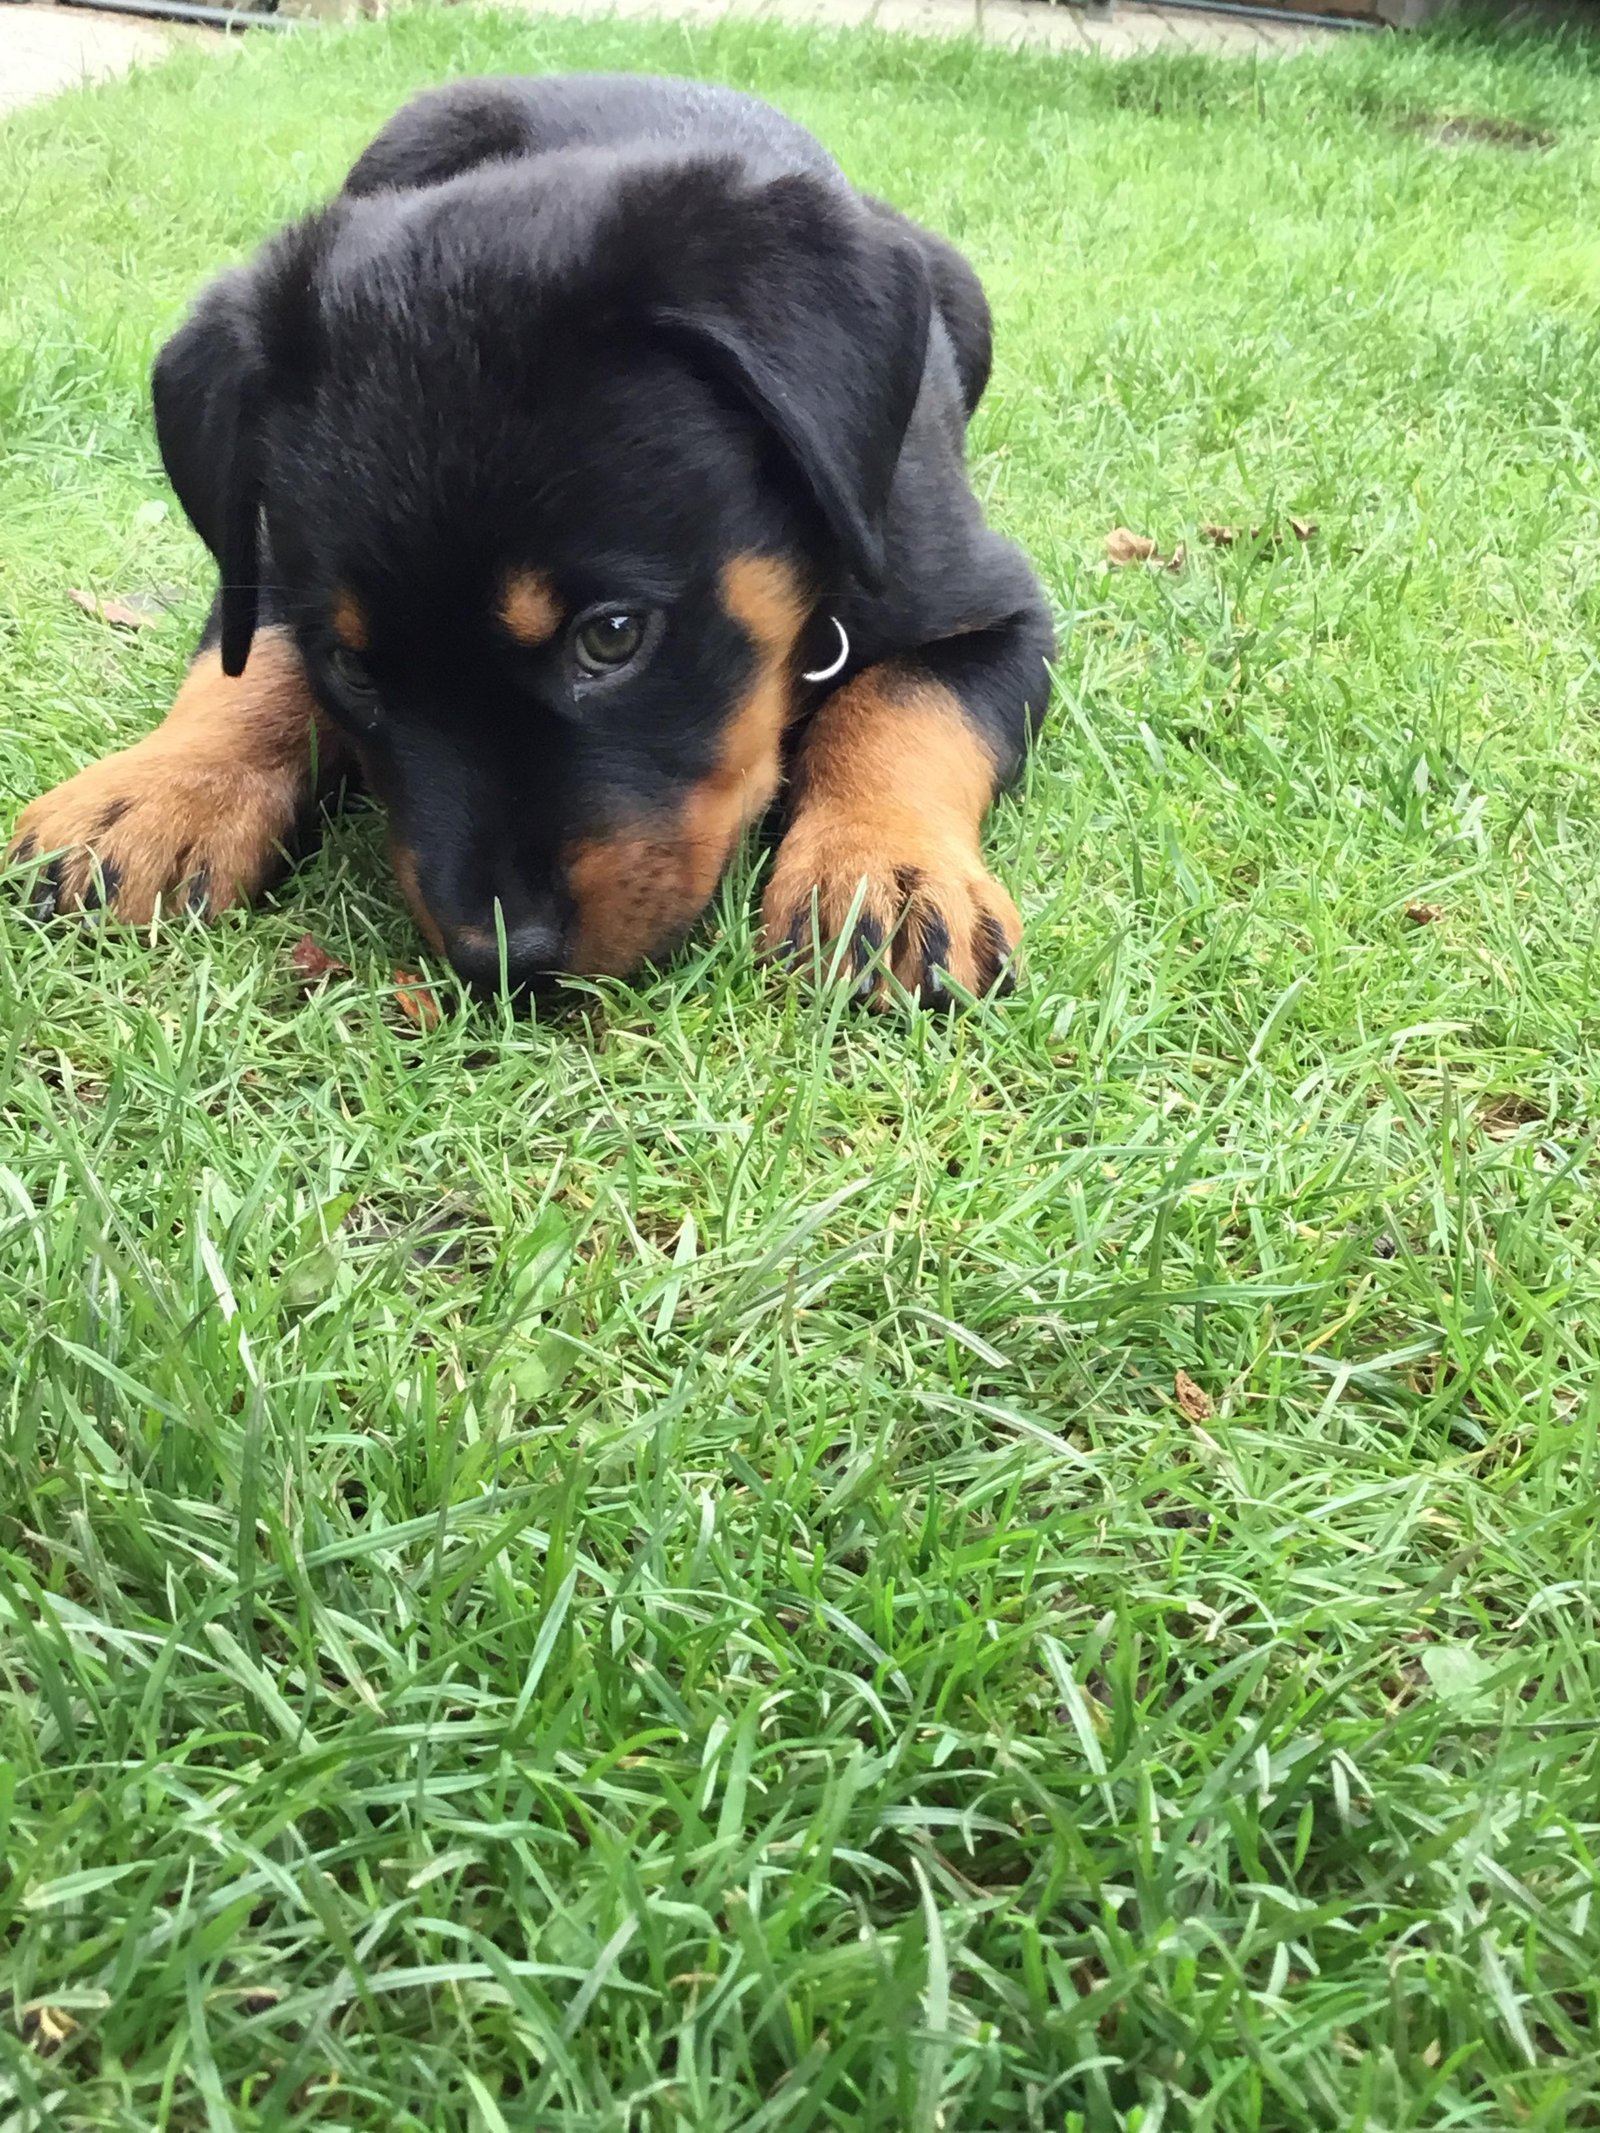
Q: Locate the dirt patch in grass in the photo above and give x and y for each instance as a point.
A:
(1467, 129)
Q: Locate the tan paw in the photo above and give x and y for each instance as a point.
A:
(925, 905)
(197, 815)
(138, 830)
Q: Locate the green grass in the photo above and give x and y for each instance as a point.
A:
(650, 1572)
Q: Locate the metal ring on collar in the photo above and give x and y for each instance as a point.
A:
(838, 666)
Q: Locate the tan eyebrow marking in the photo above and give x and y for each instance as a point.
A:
(530, 607)
(350, 620)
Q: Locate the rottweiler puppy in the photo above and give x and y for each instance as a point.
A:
(587, 477)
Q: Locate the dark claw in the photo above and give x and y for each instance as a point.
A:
(935, 960)
(199, 896)
(104, 882)
(47, 893)
(995, 962)
(865, 946)
(797, 941)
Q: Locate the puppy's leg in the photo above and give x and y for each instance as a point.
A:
(893, 778)
(200, 811)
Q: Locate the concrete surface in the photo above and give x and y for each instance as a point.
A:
(44, 49)
(1132, 28)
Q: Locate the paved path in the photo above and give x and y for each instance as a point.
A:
(1132, 28)
(43, 49)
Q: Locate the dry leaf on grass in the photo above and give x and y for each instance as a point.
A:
(1424, 914)
(1302, 529)
(1503, 1117)
(416, 1001)
(1193, 1399)
(311, 962)
(141, 612)
(1124, 547)
(46, 2028)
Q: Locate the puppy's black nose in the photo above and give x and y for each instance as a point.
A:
(532, 955)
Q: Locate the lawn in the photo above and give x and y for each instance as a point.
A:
(726, 1563)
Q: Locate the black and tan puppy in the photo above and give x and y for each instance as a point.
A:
(587, 475)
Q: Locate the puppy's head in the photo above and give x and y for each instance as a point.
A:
(547, 468)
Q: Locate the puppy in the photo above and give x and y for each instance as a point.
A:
(586, 478)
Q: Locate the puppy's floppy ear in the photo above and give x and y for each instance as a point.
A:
(253, 335)
(818, 316)
(209, 389)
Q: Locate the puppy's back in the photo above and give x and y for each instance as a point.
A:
(447, 131)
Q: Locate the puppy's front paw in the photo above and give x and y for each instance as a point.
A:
(919, 892)
(147, 827)
(197, 814)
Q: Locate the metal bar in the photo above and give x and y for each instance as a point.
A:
(1229, 7)
(211, 18)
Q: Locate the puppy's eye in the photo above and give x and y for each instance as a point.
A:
(350, 673)
(609, 639)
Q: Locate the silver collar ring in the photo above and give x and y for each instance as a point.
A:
(838, 666)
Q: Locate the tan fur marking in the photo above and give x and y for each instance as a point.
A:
(763, 593)
(638, 892)
(350, 621)
(530, 608)
(403, 860)
(893, 787)
(205, 801)
(897, 741)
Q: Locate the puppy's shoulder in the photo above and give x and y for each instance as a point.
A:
(444, 133)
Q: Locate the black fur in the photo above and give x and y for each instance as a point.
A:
(618, 331)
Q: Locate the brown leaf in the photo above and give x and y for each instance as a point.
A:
(1303, 529)
(311, 962)
(1123, 547)
(1193, 1399)
(136, 613)
(46, 2028)
(1424, 914)
(415, 999)
(1503, 1117)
